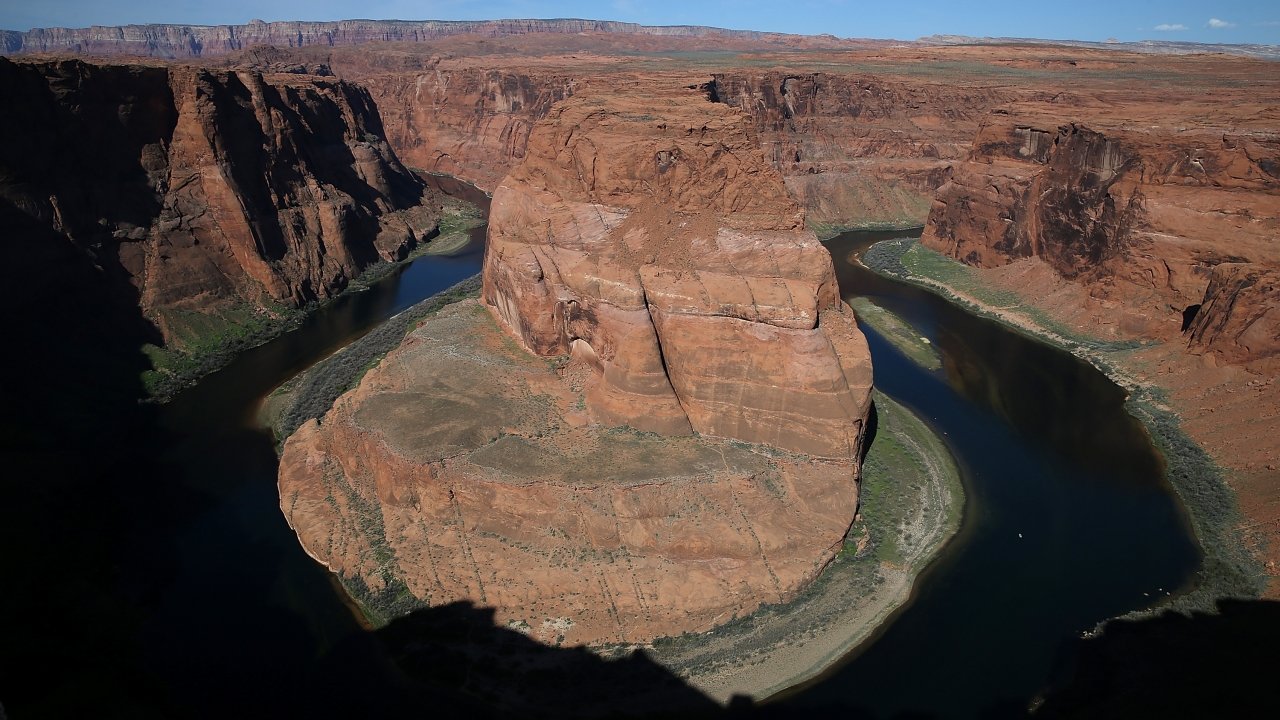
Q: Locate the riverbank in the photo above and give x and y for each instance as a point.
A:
(309, 394)
(1229, 568)
(912, 502)
(214, 341)
(898, 332)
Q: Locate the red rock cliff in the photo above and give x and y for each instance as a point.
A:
(185, 41)
(648, 235)
(652, 261)
(1143, 218)
(858, 149)
(199, 191)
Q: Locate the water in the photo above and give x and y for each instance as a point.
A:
(1068, 521)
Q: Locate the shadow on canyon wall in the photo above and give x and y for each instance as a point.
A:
(1174, 665)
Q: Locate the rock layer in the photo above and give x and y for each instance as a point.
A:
(186, 41)
(460, 469)
(858, 148)
(658, 280)
(1139, 217)
(200, 192)
(648, 236)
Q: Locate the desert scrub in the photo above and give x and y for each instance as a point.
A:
(312, 393)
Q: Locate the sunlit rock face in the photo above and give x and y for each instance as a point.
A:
(649, 425)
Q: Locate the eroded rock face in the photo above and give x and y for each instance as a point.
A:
(183, 41)
(657, 280)
(1140, 217)
(471, 122)
(1239, 318)
(647, 236)
(859, 148)
(197, 191)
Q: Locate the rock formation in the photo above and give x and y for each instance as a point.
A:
(661, 282)
(649, 240)
(200, 193)
(860, 148)
(469, 122)
(1137, 215)
(187, 41)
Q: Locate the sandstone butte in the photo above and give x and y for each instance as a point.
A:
(651, 425)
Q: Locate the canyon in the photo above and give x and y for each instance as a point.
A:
(203, 200)
(1130, 199)
(690, 452)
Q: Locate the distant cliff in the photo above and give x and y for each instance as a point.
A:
(188, 41)
(199, 197)
(1173, 230)
(859, 149)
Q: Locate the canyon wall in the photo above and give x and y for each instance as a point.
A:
(198, 193)
(187, 41)
(860, 149)
(654, 423)
(470, 122)
(1169, 230)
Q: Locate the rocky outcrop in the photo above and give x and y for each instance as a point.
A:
(201, 193)
(187, 41)
(649, 238)
(1239, 318)
(468, 122)
(658, 281)
(858, 149)
(1139, 217)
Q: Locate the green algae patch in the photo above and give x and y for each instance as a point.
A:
(898, 332)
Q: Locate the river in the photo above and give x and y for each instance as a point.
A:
(1068, 522)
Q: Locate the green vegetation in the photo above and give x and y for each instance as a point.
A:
(826, 231)
(906, 259)
(311, 393)
(205, 342)
(906, 458)
(1228, 571)
(898, 332)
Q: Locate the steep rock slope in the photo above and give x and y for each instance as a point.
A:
(857, 148)
(184, 41)
(649, 238)
(469, 122)
(658, 280)
(1142, 218)
(197, 192)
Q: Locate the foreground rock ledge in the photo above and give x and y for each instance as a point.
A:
(647, 277)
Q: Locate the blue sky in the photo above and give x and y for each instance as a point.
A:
(1255, 21)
